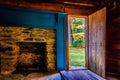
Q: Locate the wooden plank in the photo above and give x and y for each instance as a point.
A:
(92, 45)
(113, 43)
(86, 41)
(72, 10)
(67, 45)
(80, 74)
(78, 3)
(36, 6)
(97, 42)
(71, 75)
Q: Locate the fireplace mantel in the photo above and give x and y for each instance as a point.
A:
(11, 16)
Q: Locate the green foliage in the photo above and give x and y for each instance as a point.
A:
(79, 41)
(77, 52)
(74, 44)
(78, 21)
(78, 31)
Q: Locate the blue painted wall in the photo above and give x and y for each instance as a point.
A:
(11, 16)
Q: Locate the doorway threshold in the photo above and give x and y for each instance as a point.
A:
(76, 67)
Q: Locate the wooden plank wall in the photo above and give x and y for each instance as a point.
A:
(113, 42)
(36, 6)
(113, 39)
(79, 11)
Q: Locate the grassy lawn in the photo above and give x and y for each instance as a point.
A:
(77, 56)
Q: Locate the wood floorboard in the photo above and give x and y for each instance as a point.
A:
(113, 76)
(73, 75)
(80, 75)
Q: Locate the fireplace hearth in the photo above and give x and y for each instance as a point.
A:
(32, 57)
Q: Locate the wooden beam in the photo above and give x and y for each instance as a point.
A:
(78, 4)
(79, 11)
(37, 6)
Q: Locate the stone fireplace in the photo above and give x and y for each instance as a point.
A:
(27, 49)
(32, 57)
(33, 29)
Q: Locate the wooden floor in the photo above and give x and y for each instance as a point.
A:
(79, 74)
(72, 75)
(113, 77)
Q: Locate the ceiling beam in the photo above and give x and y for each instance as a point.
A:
(78, 4)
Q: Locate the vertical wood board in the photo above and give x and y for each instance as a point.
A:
(96, 45)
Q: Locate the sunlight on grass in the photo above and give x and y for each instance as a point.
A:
(77, 56)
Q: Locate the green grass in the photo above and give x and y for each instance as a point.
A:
(76, 56)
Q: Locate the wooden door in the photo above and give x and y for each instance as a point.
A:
(96, 44)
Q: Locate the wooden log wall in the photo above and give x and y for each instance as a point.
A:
(113, 41)
(36, 6)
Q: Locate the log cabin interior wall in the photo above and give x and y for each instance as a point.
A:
(113, 41)
(113, 20)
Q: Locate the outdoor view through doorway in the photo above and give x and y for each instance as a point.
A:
(76, 39)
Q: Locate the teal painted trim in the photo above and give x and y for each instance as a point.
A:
(27, 10)
(29, 19)
(12, 16)
(61, 43)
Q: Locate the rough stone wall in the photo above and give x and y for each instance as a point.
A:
(9, 48)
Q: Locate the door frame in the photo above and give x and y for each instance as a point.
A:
(86, 40)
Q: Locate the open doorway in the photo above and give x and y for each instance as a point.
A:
(95, 39)
(76, 40)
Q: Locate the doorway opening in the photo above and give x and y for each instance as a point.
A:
(76, 41)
